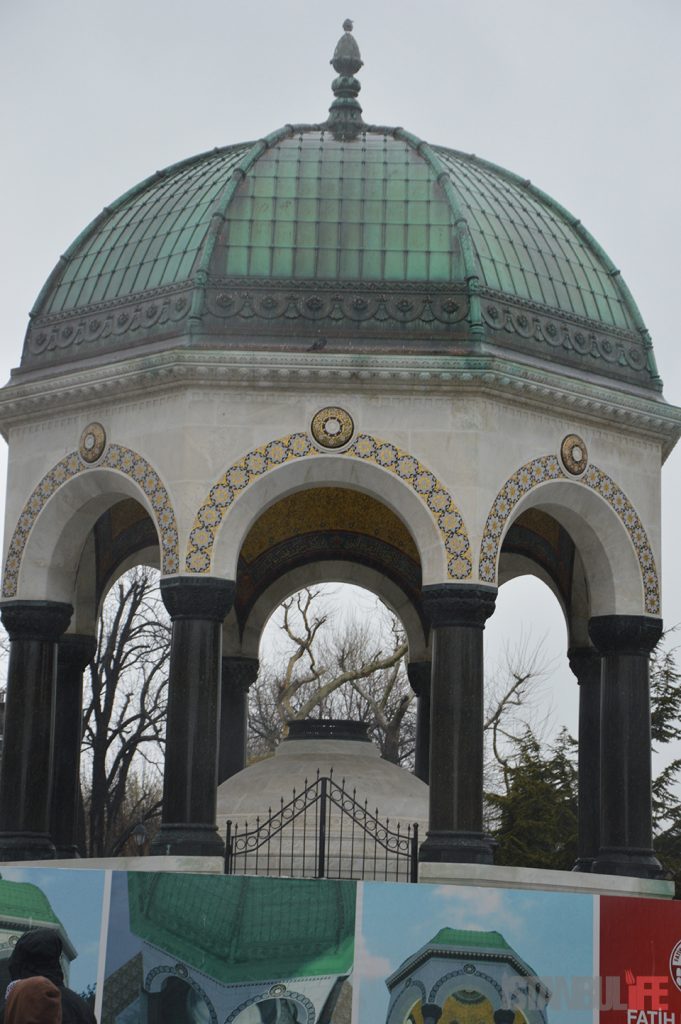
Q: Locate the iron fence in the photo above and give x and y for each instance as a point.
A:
(324, 831)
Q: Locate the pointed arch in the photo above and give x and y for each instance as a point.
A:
(389, 457)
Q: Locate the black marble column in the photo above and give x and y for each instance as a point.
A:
(625, 643)
(585, 663)
(197, 607)
(431, 1013)
(457, 615)
(238, 674)
(504, 1016)
(419, 673)
(26, 777)
(74, 653)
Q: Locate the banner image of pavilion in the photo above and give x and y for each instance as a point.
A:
(203, 949)
(471, 955)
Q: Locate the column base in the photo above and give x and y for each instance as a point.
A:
(187, 840)
(442, 847)
(26, 846)
(67, 853)
(626, 861)
(584, 864)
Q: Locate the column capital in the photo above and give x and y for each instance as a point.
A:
(197, 597)
(239, 672)
(36, 620)
(585, 664)
(76, 651)
(458, 604)
(624, 634)
(418, 673)
(431, 1012)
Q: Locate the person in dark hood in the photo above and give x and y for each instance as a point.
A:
(37, 954)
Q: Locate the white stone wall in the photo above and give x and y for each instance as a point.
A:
(470, 440)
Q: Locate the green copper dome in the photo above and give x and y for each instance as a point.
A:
(246, 929)
(24, 901)
(342, 236)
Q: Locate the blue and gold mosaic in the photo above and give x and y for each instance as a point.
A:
(116, 457)
(546, 468)
(295, 446)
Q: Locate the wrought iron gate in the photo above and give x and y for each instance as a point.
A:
(323, 832)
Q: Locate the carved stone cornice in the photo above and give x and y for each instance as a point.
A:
(30, 397)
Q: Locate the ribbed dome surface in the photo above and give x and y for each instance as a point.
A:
(315, 208)
(341, 236)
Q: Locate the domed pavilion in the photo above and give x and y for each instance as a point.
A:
(337, 353)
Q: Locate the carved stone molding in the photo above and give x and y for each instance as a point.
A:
(495, 375)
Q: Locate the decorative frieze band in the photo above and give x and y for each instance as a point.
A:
(548, 467)
(275, 453)
(116, 457)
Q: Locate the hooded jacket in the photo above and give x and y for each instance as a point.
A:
(33, 1001)
(37, 953)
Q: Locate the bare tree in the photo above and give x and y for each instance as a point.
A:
(329, 668)
(124, 712)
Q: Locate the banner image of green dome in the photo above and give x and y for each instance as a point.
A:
(449, 954)
(66, 902)
(207, 949)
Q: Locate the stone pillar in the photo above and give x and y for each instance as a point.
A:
(504, 1016)
(26, 777)
(74, 653)
(585, 663)
(419, 679)
(238, 674)
(431, 1013)
(625, 642)
(457, 615)
(197, 607)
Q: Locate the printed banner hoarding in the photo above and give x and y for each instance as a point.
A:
(173, 948)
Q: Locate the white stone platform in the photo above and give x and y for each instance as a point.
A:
(191, 865)
(551, 881)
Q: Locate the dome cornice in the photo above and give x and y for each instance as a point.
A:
(651, 418)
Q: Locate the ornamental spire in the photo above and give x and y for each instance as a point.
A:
(345, 113)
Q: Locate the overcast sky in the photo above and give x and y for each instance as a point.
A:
(582, 97)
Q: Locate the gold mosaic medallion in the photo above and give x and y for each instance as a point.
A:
(332, 427)
(574, 454)
(92, 442)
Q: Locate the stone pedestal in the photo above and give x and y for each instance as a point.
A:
(197, 607)
(26, 777)
(457, 614)
(625, 643)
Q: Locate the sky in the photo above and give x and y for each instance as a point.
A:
(583, 98)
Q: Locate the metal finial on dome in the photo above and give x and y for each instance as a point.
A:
(345, 113)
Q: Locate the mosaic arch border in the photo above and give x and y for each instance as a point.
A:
(116, 457)
(548, 467)
(400, 463)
